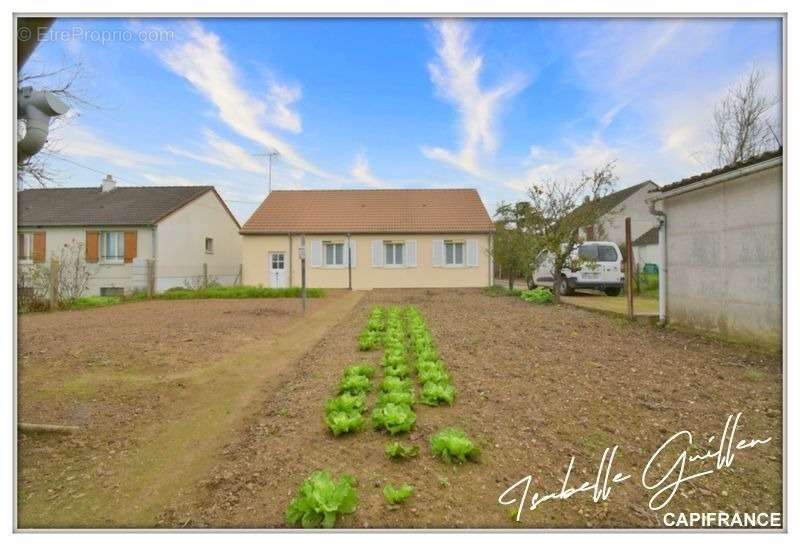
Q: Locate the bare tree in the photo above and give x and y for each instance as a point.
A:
(741, 127)
(558, 212)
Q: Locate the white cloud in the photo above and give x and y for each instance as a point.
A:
(202, 60)
(221, 153)
(74, 141)
(281, 97)
(456, 74)
(362, 173)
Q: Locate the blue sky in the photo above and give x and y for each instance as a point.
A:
(495, 104)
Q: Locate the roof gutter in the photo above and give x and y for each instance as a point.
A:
(724, 177)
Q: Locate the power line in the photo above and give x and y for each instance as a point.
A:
(60, 158)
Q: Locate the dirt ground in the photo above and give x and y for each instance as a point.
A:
(127, 375)
(536, 386)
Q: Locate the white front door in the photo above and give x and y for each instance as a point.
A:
(277, 269)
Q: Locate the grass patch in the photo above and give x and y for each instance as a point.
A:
(238, 292)
(754, 375)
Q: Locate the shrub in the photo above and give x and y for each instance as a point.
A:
(395, 418)
(342, 422)
(537, 295)
(435, 394)
(453, 446)
(320, 500)
(397, 495)
(396, 450)
(354, 384)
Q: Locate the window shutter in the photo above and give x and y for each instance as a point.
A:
(38, 253)
(377, 253)
(92, 246)
(411, 253)
(353, 252)
(472, 253)
(131, 238)
(437, 259)
(316, 253)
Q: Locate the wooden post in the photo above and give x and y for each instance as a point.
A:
(205, 275)
(54, 274)
(303, 271)
(629, 266)
(151, 277)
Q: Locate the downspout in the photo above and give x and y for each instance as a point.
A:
(290, 261)
(349, 264)
(662, 263)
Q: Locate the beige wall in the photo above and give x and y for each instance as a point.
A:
(180, 244)
(256, 248)
(724, 257)
(129, 276)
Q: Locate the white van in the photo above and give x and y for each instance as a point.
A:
(600, 269)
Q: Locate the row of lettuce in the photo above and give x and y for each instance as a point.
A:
(409, 350)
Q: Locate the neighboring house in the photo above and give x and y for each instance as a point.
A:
(724, 234)
(615, 207)
(119, 229)
(645, 249)
(366, 239)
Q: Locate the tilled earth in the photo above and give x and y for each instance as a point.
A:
(537, 385)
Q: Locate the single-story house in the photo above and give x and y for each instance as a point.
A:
(364, 239)
(723, 232)
(615, 207)
(118, 229)
(645, 249)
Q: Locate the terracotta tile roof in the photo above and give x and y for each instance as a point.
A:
(371, 211)
(123, 206)
(722, 170)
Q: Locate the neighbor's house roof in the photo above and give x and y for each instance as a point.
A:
(371, 211)
(122, 206)
(649, 237)
(609, 202)
(766, 156)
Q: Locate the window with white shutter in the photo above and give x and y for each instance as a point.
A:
(472, 253)
(377, 253)
(437, 253)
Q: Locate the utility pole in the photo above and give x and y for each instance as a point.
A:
(269, 156)
(629, 267)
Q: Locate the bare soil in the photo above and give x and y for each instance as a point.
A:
(142, 381)
(536, 386)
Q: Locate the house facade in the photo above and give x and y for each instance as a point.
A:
(126, 234)
(724, 250)
(645, 249)
(364, 239)
(615, 207)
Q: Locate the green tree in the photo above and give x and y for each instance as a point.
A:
(512, 247)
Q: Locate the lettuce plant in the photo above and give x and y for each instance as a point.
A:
(354, 384)
(368, 340)
(320, 500)
(435, 394)
(400, 370)
(454, 446)
(538, 295)
(347, 402)
(342, 422)
(360, 369)
(392, 383)
(397, 495)
(396, 397)
(434, 375)
(395, 418)
(397, 450)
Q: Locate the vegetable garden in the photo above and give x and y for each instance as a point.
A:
(410, 363)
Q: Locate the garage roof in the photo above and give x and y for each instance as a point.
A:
(371, 211)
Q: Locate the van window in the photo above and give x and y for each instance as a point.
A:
(588, 252)
(606, 253)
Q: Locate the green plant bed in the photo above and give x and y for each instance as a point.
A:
(538, 295)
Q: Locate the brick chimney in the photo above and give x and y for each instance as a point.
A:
(109, 183)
